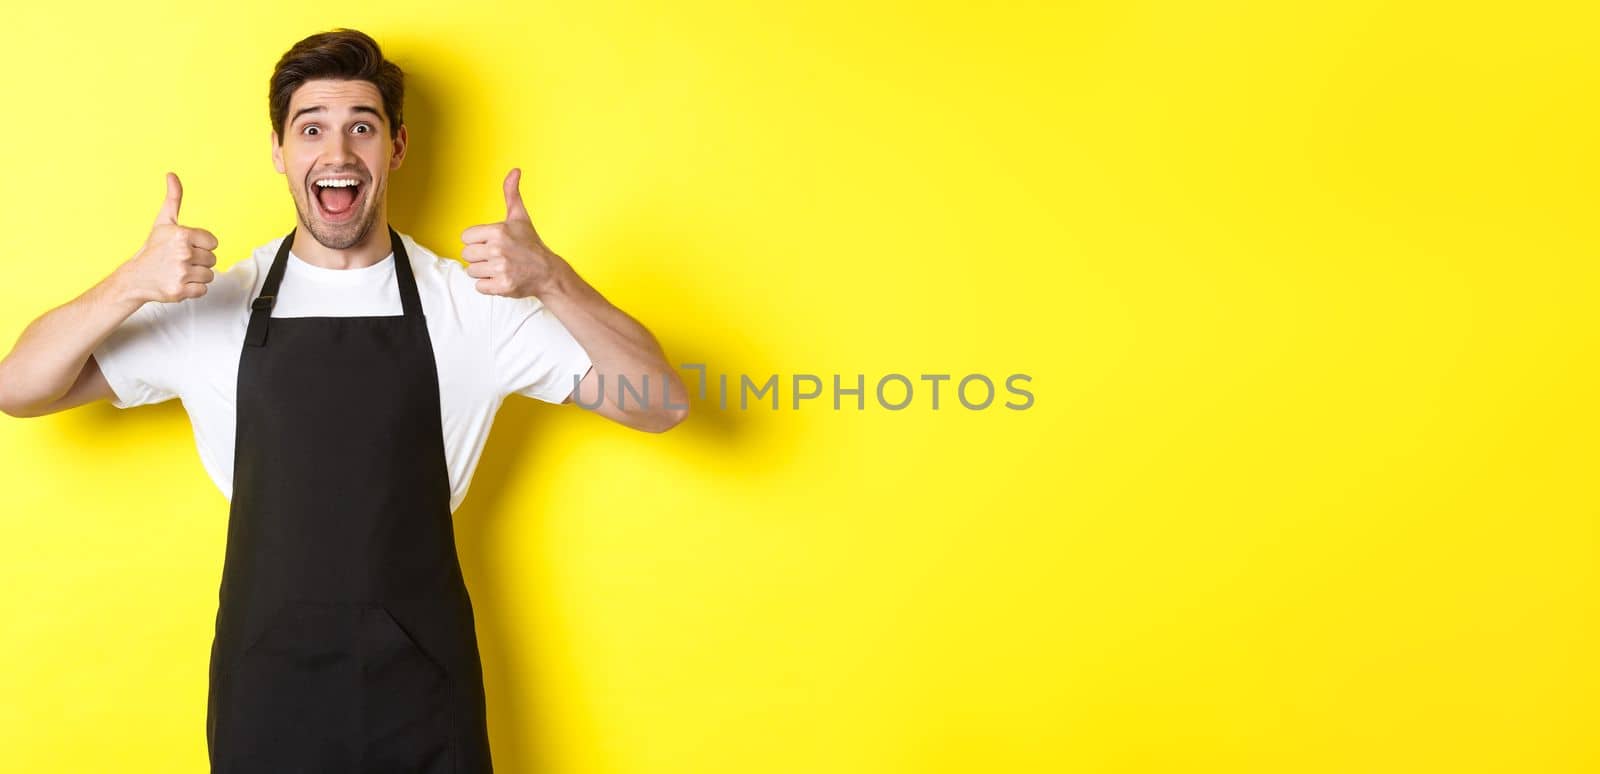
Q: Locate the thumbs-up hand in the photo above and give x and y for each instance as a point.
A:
(509, 258)
(175, 262)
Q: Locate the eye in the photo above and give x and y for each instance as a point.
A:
(368, 127)
(309, 127)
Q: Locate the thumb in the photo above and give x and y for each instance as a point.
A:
(169, 208)
(515, 210)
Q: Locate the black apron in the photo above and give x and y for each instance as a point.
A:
(344, 635)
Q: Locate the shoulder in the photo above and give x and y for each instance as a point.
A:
(232, 289)
(445, 275)
(445, 285)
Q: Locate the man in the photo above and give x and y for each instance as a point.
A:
(341, 382)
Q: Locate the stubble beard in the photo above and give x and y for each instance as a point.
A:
(341, 236)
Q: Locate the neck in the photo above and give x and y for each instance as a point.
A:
(374, 248)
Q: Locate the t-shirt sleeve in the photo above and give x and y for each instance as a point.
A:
(145, 359)
(534, 354)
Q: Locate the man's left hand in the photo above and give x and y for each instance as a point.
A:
(509, 258)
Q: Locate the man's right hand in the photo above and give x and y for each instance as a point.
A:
(175, 262)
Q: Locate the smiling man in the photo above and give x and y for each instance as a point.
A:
(341, 381)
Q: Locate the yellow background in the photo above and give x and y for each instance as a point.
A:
(1306, 290)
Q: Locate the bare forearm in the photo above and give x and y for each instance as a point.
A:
(621, 348)
(175, 263)
(52, 350)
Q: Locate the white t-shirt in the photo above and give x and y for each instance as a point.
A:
(486, 347)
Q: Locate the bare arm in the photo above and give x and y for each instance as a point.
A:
(509, 259)
(51, 367)
(621, 348)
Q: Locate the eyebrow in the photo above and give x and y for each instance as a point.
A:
(321, 108)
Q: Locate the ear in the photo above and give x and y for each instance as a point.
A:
(400, 144)
(277, 154)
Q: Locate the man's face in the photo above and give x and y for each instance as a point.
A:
(336, 130)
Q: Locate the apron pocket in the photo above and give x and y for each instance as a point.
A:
(293, 694)
(407, 713)
(337, 687)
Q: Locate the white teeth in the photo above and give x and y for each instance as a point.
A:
(335, 183)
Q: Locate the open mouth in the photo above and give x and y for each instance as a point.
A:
(337, 200)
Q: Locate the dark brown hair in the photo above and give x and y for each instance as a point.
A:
(341, 54)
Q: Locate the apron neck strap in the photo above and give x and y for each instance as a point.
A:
(261, 305)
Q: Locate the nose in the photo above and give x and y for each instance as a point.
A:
(341, 153)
